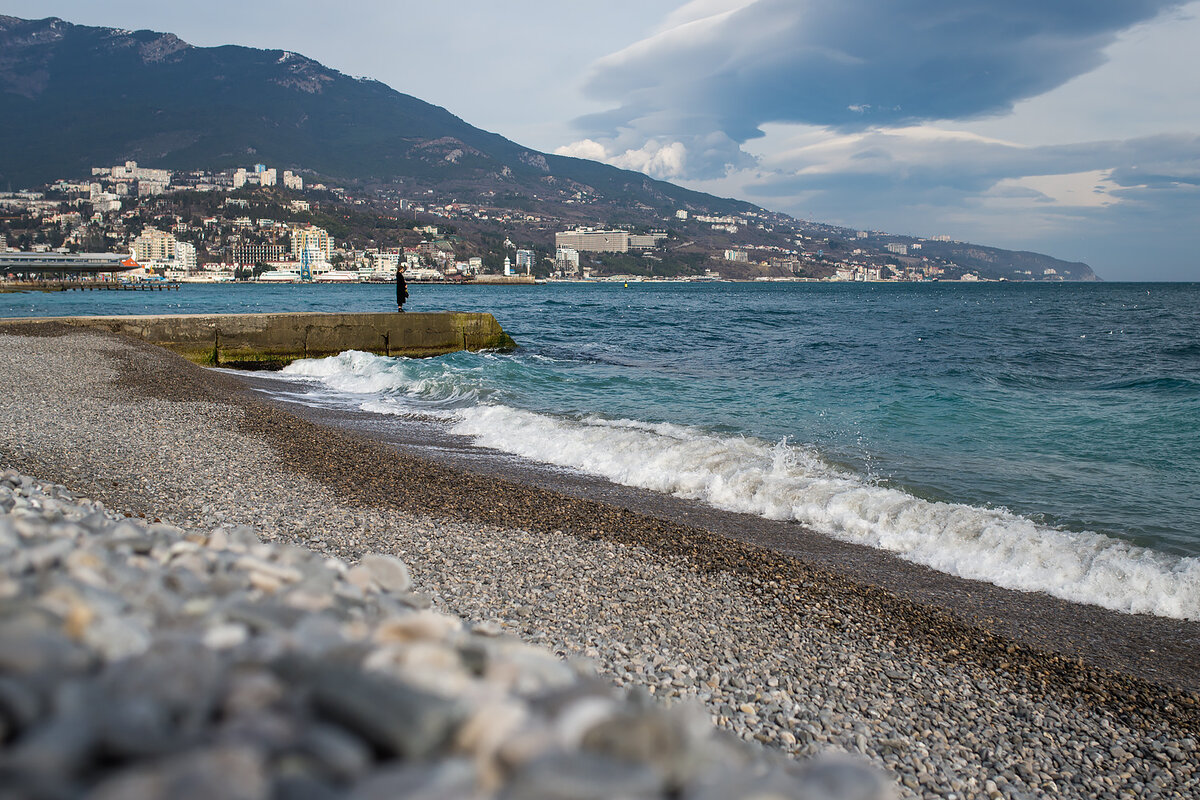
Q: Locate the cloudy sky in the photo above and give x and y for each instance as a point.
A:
(1070, 127)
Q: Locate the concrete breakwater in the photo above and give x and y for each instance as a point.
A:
(274, 340)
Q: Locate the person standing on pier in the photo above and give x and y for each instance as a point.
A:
(401, 288)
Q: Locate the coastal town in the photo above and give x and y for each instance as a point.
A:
(270, 225)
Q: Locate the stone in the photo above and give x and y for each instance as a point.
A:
(582, 776)
(451, 779)
(388, 572)
(230, 773)
(391, 716)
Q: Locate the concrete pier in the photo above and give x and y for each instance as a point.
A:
(270, 341)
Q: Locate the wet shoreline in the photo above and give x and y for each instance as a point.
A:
(1156, 649)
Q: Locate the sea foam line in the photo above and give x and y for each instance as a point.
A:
(780, 481)
(787, 482)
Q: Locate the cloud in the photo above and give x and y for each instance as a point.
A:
(725, 68)
(664, 159)
(918, 158)
(1126, 206)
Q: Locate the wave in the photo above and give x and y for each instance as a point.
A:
(1160, 385)
(398, 383)
(787, 482)
(781, 481)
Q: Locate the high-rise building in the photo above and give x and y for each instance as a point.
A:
(566, 260)
(250, 253)
(525, 259)
(312, 239)
(645, 241)
(154, 245)
(586, 239)
(185, 256)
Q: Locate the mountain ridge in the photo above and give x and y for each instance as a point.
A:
(283, 107)
(76, 96)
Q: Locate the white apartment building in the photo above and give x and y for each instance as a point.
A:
(566, 260)
(312, 239)
(185, 257)
(154, 245)
(525, 259)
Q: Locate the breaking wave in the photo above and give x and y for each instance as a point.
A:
(781, 481)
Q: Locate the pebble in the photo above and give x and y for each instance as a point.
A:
(133, 690)
(830, 677)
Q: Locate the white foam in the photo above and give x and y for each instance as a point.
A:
(396, 380)
(776, 481)
(786, 482)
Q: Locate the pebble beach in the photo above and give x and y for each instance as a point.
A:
(536, 643)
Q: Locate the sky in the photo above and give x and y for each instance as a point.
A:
(1070, 128)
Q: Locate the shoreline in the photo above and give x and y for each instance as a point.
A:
(1153, 648)
(801, 617)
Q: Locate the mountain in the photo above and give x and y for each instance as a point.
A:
(75, 96)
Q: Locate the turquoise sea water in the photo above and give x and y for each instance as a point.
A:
(1033, 435)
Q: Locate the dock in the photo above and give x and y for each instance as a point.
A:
(271, 341)
(88, 286)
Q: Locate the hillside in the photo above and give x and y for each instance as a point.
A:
(76, 96)
(73, 97)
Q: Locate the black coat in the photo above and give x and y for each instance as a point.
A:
(401, 288)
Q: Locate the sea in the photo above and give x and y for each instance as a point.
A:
(1041, 437)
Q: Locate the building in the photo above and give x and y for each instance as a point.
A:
(525, 260)
(312, 239)
(645, 241)
(153, 245)
(239, 178)
(897, 248)
(250, 253)
(566, 261)
(185, 257)
(589, 240)
(681, 214)
(737, 255)
(149, 181)
(292, 181)
(268, 177)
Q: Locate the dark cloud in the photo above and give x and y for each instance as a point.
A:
(849, 65)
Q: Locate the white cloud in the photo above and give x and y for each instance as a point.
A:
(1091, 189)
(732, 67)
